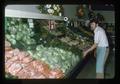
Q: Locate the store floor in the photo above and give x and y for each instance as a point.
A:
(89, 69)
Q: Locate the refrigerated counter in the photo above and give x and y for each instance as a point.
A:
(80, 61)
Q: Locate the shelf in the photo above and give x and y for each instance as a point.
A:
(24, 14)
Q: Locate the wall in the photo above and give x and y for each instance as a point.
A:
(70, 10)
(108, 15)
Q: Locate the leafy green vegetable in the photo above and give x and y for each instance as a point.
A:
(56, 57)
(19, 33)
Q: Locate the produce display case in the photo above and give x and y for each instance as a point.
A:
(32, 46)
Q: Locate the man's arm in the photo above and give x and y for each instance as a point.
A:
(90, 49)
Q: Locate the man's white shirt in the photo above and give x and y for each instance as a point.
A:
(100, 37)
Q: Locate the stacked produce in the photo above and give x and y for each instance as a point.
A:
(40, 53)
(50, 39)
(75, 37)
(21, 65)
(58, 57)
(67, 36)
(18, 33)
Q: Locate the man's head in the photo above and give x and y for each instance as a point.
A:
(93, 24)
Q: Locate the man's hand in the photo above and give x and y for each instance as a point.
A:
(84, 54)
(89, 50)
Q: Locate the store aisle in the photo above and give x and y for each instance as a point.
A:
(88, 71)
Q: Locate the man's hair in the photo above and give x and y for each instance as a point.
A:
(94, 20)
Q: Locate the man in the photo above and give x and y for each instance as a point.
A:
(102, 47)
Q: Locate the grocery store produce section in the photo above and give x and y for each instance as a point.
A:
(40, 52)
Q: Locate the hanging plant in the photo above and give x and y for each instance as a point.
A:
(80, 11)
(51, 9)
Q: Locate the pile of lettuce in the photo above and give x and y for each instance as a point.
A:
(55, 57)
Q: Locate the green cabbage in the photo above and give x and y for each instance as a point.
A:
(56, 57)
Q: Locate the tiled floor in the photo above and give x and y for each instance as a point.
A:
(88, 71)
